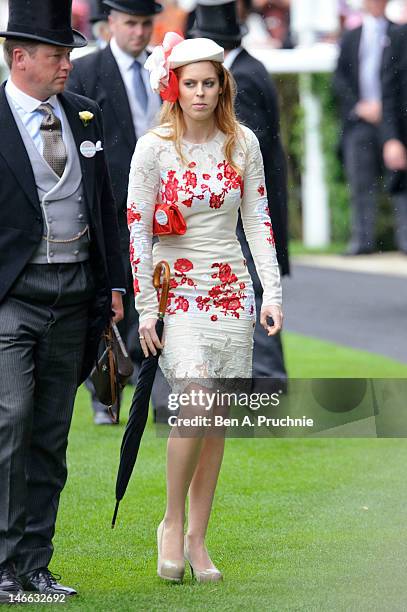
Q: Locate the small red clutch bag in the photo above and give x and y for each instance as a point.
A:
(168, 219)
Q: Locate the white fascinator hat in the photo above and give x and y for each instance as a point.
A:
(174, 53)
(195, 50)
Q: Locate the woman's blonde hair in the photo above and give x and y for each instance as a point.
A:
(171, 116)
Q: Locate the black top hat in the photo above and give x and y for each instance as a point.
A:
(219, 22)
(135, 7)
(98, 11)
(47, 21)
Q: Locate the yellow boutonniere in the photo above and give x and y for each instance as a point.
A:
(86, 117)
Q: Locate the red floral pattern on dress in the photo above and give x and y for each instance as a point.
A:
(183, 265)
(224, 296)
(270, 239)
(261, 190)
(134, 262)
(216, 201)
(132, 214)
(225, 274)
(182, 303)
(170, 188)
(203, 303)
(227, 296)
(233, 179)
(190, 179)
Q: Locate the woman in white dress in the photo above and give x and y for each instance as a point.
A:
(209, 166)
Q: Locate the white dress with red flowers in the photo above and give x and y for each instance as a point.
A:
(211, 309)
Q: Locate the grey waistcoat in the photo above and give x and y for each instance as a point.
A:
(64, 211)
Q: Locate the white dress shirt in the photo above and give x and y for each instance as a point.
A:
(372, 43)
(27, 108)
(142, 120)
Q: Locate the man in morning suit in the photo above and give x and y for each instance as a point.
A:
(116, 79)
(61, 277)
(394, 125)
(99, 20)
(357, 83)
(256, 107)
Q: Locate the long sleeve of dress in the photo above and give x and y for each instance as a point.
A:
(257, 223)
(144, 181)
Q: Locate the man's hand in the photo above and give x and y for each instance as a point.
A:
(276, 314)
(369, 110)
(395, 155)
(117, 306)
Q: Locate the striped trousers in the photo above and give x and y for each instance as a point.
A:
(43, 325)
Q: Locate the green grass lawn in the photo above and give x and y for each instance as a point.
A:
(310, 358)
(297, 524)
(335, 248)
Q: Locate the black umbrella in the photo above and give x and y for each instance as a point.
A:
(139, 407)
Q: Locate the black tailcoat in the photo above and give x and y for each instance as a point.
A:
(21, 221)
(257, 107)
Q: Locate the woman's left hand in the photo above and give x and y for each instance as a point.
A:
(276, 314)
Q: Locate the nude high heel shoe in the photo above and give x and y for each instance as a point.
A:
(211, 574)
(166, 569)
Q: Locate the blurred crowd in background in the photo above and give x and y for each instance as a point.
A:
(268, 20)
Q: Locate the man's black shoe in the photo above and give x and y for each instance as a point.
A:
(9, 582)
(42, 581)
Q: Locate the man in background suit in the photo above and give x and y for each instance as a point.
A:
(60, 261)
(116, 79)
(99, 20)
(256, 107)
(394, 126)
(357, 83)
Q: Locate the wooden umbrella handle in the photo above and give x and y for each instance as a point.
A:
(162, 269)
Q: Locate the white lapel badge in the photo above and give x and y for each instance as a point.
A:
(89, 148)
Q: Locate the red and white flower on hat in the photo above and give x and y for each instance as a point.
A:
(174, 53)
(162, 79)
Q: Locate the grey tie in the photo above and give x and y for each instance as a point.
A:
(139, 87)
(54, 147)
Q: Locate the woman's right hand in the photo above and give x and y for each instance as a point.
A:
(149, 340)
(275, 313)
